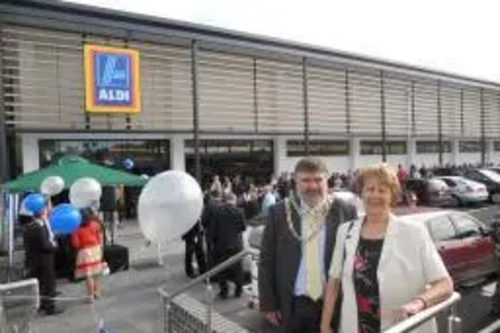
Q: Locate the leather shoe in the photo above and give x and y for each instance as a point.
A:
(494, 313)
(53, 311)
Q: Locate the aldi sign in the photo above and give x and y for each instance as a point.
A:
(112, 81)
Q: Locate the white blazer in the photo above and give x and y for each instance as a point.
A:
(408, 263)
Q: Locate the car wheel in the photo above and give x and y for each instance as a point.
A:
(455, 201)
(495, 198)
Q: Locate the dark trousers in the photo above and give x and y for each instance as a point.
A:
(194, 248)
(46, 277)
(233, 273)
(305, 316)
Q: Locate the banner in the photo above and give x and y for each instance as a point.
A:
(112, 79)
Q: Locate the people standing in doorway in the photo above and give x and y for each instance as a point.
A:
(40, 247)
(216, 185)
(88, 241)
(297, 248)
(269, 199)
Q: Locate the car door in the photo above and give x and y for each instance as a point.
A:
(449, 247)
(480, 248)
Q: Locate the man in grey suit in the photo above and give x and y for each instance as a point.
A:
(297, 248)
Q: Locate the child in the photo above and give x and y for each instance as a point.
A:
(88, 242)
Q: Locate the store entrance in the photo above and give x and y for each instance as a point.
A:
(252, 160)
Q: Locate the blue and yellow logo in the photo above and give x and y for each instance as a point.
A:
(112, 79)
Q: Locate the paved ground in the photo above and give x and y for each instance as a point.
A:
(131, 302)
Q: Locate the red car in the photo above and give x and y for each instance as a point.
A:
(464, 243)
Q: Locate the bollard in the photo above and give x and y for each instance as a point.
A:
(3, 319)
(210, 302)
(167, 327)
(454, 322)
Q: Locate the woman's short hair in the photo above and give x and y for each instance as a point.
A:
(385, 175)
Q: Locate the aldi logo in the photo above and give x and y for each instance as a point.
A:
(112, 82)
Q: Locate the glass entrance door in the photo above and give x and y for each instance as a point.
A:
(252, 160)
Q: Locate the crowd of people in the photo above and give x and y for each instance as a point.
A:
(255, 198)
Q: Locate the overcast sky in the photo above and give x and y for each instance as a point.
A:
(458, 36)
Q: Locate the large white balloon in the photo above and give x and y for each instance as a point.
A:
(169, 205)
(52, 185)
(85, 192)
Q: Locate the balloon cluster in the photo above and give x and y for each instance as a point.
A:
(64, 218)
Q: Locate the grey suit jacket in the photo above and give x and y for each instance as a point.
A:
(281, 254)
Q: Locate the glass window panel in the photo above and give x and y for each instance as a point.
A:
(470, 146)
(442, 229)
(432, 147)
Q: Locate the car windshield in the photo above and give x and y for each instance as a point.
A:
(437, 184)
(491, 174)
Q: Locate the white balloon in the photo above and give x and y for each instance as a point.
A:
(52, 185)
(85, 192)
(169, 205)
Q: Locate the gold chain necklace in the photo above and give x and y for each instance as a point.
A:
(319, 213)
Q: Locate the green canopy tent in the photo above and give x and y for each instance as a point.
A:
(72, 168)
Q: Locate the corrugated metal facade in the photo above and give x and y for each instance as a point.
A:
(44, 89)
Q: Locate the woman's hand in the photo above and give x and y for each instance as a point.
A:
(408, 310)
(274, 318)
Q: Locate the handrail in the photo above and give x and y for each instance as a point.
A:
(423, 316)
(217, 269)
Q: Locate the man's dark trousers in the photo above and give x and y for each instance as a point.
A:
(305, 315)
(47, 286)
(194, 248)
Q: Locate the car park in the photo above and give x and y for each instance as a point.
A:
(465, 191)
(489, 178)
(430, 191)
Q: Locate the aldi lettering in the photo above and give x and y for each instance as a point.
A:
(109, 95)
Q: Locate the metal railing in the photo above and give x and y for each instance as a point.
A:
(454, 322)
(169, 297)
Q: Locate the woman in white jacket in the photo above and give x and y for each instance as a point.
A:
(386, 268)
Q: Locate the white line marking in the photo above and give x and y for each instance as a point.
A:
(480, 209)
(492, 328)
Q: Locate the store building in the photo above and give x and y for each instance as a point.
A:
(212, 101)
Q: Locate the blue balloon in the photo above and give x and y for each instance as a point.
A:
(65, 219)
(34, 203)
(128, 164)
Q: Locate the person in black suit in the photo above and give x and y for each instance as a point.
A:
(228, 224)
(290, 280)
(40, 247)
(194, 247)
(212, 201)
